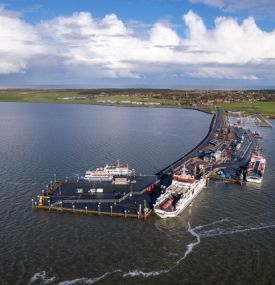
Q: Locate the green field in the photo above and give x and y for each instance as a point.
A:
(57, 96)
(34, 95)
(266, 108)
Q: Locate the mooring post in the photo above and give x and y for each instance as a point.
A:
(145, 210)
(139, 209)
(98, 210)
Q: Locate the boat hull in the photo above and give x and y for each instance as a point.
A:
(254, 180)
(97, 179)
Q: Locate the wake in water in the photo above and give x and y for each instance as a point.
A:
(41, 278)
(201, 231)
(234, 230)
(191, 245)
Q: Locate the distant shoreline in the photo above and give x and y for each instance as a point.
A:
(114, 105)
(248, 102)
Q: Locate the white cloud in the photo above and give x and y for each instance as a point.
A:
(108, 48)
(211, 3)
(19, 42)
(161, 35)
(235, 5)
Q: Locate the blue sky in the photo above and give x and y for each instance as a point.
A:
(138, 43)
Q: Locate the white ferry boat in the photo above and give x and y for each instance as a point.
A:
(256, 168)
(178, 195)
(107, 173)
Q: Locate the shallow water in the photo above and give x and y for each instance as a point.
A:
(225, 237)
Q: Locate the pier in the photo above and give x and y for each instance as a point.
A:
(114, 200)
(216, 123)
(222, 155)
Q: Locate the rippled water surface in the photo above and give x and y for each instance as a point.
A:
(227, 235)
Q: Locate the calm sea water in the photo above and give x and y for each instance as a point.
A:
(227, 235)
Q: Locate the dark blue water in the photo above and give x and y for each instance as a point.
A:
(225, 237)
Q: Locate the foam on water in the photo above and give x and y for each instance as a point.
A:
(210, 224)
(130, 274)
(137, 272)
(191, 245)
(234, 230)
(41, 277)
(87, 280)
(200, 231)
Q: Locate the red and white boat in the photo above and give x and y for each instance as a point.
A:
(178, 195)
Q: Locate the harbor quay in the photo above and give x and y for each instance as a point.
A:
(224, 154)
(101, 198)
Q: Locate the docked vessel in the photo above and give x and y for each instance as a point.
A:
(256, 168)
(178, 195)
(107, 173)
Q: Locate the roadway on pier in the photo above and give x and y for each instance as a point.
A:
(215, 124)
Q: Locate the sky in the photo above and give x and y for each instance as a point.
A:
(137, 43)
